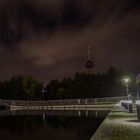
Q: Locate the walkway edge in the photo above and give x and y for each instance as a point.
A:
(99, 132)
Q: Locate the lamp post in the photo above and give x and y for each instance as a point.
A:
(126, 80)
(128, 103)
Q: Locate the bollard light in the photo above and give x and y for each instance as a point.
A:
(127, 104)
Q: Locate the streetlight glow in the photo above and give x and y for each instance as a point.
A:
(126, 80)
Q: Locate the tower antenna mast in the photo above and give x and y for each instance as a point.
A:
(89, 64)
(89, 53)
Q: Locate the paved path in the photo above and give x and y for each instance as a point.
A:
(119, 125)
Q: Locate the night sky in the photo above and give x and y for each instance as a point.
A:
(48, 39)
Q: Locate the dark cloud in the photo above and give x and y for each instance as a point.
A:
(18, 17)
(132, 4)
(48, 39)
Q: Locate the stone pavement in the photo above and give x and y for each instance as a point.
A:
(119, 125)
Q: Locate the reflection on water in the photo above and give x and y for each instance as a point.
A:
(50, 125)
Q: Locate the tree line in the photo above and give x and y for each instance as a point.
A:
(21, 88)
(81, 85)
(89, 85)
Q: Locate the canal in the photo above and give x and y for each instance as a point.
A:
(49, 125)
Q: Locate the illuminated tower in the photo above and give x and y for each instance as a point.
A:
(89, 64)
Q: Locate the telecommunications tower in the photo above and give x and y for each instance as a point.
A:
(89, 64)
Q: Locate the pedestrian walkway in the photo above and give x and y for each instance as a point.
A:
(119, 125)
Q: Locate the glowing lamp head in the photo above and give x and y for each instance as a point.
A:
(126, 80)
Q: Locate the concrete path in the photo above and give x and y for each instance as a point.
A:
(119, 125)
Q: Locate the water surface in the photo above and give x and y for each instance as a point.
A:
(49, 125)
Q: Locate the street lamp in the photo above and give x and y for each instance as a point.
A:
(128, 103)
(126, 80)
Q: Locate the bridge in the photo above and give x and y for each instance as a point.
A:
(89, 103)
